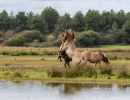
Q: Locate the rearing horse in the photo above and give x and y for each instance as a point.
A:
(68, 45)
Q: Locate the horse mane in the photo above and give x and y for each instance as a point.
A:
(105, 59)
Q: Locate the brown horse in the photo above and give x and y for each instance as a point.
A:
(67, 59)
(95, 57)
(68, 45)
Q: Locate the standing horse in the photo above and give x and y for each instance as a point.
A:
(95, 57)
(68, 45)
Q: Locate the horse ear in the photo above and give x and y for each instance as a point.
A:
(72, 34)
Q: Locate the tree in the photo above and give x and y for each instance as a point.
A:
(50, 16)
(40, 25)
(126, 26)
(107, 19)
(78, 22)
(118, 35)
(93, 18)
(63, 23)
(12, 21)
(4, 21)
(30, 18)
(120, 18)
(21, 20)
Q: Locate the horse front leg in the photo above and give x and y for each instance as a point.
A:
(99, 63)
(96, 70)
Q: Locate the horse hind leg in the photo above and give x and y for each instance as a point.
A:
(68, 64)
(65, 64)
(96, 70)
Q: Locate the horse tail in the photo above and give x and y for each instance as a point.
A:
(105, 59)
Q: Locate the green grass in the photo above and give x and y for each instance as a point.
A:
(18, 51)
(115, 46)
(74, 75)
(21, 63)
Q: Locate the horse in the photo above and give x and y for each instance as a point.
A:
(67, 59)
(96, 57)
(68, 45)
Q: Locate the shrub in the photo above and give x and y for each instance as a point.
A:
(55, 72)
(17, 74)
(15, 41)
(89, 71)
(30, 36)
(123, 74)
(73, 73)
(88, 38)
(106, 70)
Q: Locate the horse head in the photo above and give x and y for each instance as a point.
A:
(68, 36)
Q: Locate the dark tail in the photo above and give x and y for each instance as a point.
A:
(105, 59)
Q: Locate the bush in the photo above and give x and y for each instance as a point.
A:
(123, 74)
(55, 72)
(88, 38)
(107, 40)
(30, 36)
(17, 74)
(107, 71)
(73, 73)
(15, 41)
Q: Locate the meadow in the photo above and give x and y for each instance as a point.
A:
(34, 63)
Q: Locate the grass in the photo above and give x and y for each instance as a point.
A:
(29, 63)
(18, 74)
(18, 51)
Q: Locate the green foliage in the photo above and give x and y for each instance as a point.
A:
(71, 73)
(55, 72)
(113, 27)
(107, 19)
(21, 21)
(17, 74)
(15, 41)
(92, 19)
(106, 70)
(63, 23)
(118, 35)
(88, 38)
(123, 74)
(78, 22)
(50, 16)
(126, 26)
(30, 36)
(4, 21)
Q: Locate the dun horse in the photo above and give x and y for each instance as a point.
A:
(95, 57)
(68, 45)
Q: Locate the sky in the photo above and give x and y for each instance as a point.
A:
(63, 6)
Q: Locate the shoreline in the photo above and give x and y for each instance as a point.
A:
(79, 80)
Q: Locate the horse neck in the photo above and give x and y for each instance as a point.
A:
(70, 48)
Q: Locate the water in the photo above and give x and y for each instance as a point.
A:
(40, 91)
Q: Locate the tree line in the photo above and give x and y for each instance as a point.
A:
(93, 28)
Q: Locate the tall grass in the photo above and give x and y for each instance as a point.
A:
(61, 72)
(113, 52)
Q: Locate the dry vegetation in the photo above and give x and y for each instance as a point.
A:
(18, 62)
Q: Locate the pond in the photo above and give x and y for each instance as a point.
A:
(36, 90)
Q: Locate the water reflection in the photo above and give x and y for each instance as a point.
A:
(73, 88)
(32, 90)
